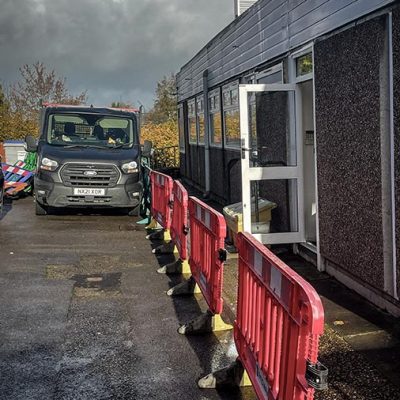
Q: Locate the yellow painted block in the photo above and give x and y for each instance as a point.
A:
(167, 236)
(245, 381)
(218, 324)
(185, 267)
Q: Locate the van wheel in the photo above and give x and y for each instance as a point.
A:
(40, 209)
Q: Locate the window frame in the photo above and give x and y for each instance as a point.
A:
(191, 113)
(181, 128)
(217, 108)
(270, 71)
(308, 49)
(199, 112)
(232, 106)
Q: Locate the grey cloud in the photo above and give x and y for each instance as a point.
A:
(113, 48)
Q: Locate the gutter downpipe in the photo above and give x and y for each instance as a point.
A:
(206, 135)
(387, 163)
(392, 153)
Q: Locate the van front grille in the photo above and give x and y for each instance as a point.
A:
(89, 175)
(95, 200)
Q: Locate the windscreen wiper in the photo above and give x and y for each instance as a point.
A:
(84, 145)
(118, 146)
(70, 146)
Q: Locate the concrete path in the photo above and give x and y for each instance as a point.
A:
(360, 345)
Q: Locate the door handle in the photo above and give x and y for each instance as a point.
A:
(242, 150)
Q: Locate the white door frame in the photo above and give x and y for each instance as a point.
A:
(309, 48)
(271, 173)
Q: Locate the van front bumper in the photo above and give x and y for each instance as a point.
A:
(127, 193)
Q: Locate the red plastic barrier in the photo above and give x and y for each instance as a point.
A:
(280, 318)
(161, 198)
(207, 235)
(179, 224)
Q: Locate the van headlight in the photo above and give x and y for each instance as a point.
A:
(48, 165)
(130, 167)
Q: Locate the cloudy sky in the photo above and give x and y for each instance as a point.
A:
(116, 49)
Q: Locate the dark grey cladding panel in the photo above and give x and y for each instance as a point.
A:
(234, 177)
(187, 166)
(194, 163)
(396, 90)
(197, 174)
(348, 149)
(201, 167)
(217, 173)
(225, 175)
(182, 164)
(267, 30)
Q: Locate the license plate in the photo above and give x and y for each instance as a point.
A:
(89, 192)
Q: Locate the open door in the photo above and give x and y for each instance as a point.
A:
(272, 162)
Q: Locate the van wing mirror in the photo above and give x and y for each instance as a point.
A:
(31, 144)
(147, 148)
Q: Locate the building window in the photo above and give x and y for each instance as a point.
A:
(214, 107)
(200, 118)
(232, 128)
(181, 128)
(272, 75)
(304, 65)
(192, 121)
(230, 96)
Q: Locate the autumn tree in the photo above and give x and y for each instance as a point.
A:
(165, 103)
(121, 104)
(161, 135)
(4, 115)
(37, 85)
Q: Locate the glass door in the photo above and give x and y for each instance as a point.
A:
(272, 162)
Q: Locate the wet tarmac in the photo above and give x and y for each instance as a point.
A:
(84, 315)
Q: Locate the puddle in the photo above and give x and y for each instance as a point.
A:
(107, 281)
(94, 275)
(107, 284)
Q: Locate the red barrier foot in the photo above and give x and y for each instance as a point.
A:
(205, 323)
(233, 375)
(177, 267)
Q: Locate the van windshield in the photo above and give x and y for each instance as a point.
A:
(90, 130)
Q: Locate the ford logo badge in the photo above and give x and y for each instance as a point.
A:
(90, 173)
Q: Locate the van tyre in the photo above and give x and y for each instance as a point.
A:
(40, 209)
